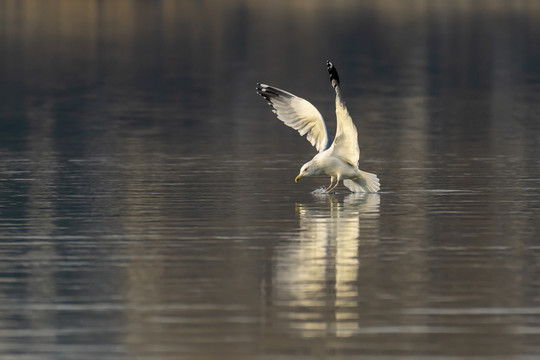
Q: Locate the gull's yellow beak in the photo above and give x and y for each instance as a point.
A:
(297, 178)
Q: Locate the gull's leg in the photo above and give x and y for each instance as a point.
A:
(335, 185)
(331, 183)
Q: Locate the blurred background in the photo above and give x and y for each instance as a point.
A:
(143, 60)
(147, 202)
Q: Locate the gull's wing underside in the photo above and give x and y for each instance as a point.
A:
(345, 143)
(297, 113)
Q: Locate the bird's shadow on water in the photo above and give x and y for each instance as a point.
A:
(333, 215)
(320, 260)
(360, 203)
(337, 217)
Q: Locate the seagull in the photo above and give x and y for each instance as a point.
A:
(337, 159)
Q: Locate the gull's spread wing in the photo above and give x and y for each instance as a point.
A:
(297, 113)
(345, 143)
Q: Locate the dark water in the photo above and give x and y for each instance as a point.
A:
(148, 208)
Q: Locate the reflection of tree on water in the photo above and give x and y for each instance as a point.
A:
(317, 269)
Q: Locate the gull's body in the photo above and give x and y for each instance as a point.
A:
(338, 159)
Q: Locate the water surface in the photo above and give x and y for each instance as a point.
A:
(148, 208)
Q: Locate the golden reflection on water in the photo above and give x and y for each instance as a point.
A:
(317, 269)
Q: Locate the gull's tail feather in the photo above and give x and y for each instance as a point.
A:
(365, 182)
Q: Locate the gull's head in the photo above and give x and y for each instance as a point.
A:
(307, 169)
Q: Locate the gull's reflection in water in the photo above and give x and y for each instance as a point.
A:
(317, 268)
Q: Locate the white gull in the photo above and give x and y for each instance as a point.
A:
(338, 159)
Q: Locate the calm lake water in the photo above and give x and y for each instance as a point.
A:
(148, 208)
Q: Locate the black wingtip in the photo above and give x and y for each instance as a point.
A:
(260, 90)
(334, 77)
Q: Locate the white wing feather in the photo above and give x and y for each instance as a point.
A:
(297, 113)
(345, 143)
